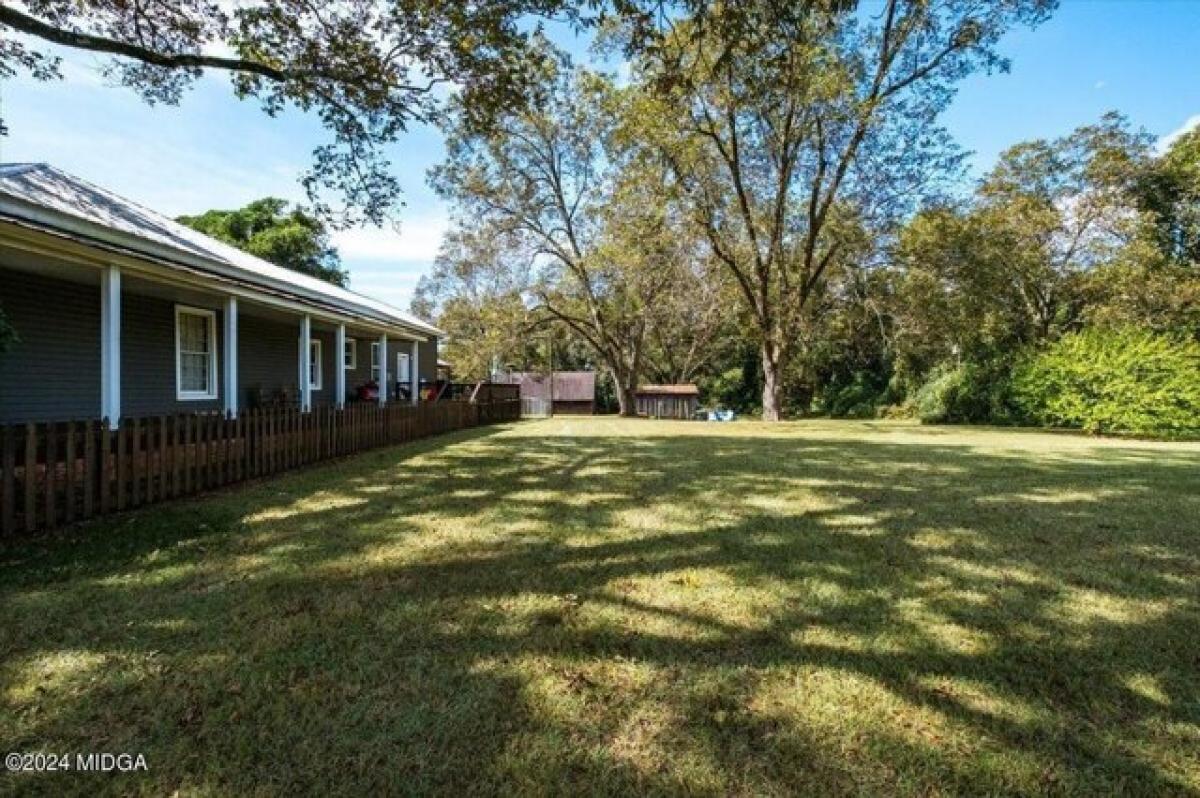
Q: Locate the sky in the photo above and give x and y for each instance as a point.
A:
(213, 151)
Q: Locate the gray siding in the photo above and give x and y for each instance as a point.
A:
(148, 358)
(325, 395)
(267, 357)
(54, 371)
(427, 360)
(362, 372)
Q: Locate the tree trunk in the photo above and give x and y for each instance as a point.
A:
(772, 405)
(625, 387)
(626, 400)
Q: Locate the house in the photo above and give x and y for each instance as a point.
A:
(668, 401)
(121, 311)
(573, 392)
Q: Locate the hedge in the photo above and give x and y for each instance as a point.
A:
(1122, 380)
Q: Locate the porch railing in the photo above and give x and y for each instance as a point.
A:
(53, 473)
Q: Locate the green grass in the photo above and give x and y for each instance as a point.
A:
(597, 606)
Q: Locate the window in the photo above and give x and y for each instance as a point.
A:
(314, 364)
(350, 356)
(195, 354)
(402, 368)
(375, 361)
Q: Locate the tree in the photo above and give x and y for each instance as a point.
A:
(477, 295)
(787, 127)
(367, 68)
(1057, 210)
(8, 335)
(1025, 260)
(1170, 193)
(267, 229)
(547, 182)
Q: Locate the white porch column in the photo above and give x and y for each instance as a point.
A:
(339, 375)
(110, 345)
(305, 363)
(383, 374)
(231, 356)
(414, 375)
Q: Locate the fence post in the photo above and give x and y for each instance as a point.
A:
(30, 476)
(8, 464)
(70, 481)
(50, 495)
(89, 468)
(105, 466)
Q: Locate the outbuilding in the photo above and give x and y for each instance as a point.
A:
(668, 401)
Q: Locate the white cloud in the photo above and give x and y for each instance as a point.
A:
(416, 240)
(624, 73)
(1166, 141)
(1099, 85)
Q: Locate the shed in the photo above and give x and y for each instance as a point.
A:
(574, 392)
(668, 401)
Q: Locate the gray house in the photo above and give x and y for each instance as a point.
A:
(121, 311)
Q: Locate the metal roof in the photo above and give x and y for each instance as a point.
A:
(47, 196)
(683, 389)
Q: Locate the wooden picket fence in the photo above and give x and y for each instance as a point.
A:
(54, 473)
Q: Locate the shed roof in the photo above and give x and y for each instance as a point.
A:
(46, 196)
(682, 389)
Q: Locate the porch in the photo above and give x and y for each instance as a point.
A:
(103, 342)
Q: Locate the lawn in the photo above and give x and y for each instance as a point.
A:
(594, 606)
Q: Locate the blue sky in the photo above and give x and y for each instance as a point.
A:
(1135, 56)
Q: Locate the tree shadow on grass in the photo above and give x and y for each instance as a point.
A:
(533, 611)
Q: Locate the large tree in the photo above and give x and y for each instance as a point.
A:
(561, 192)
(367, 68)
(476, 292)
(787, 126)
(1170, 192)
(1021, 261)
(293, 239)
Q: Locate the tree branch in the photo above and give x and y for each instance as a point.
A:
(86, 41)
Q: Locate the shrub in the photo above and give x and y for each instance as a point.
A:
(965, 392)
(1114, 380)
(730, 389)
(859, 397)
(8, 336)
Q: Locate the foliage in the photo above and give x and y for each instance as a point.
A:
(1170, 193)
(8, 335)
(476, 294)
(265, 228)
(1016, 265)
(788, 130)
(558, 196)
(860, 396)
(964, 393)
(367, 68)
(1114, 380)
(733, 388)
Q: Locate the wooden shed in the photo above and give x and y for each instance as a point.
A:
(573, 392)
(668, 401)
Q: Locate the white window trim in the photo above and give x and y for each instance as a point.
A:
(375, 362)
(196, 396)
(406, 377)
(316, 366)
(352, 345)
